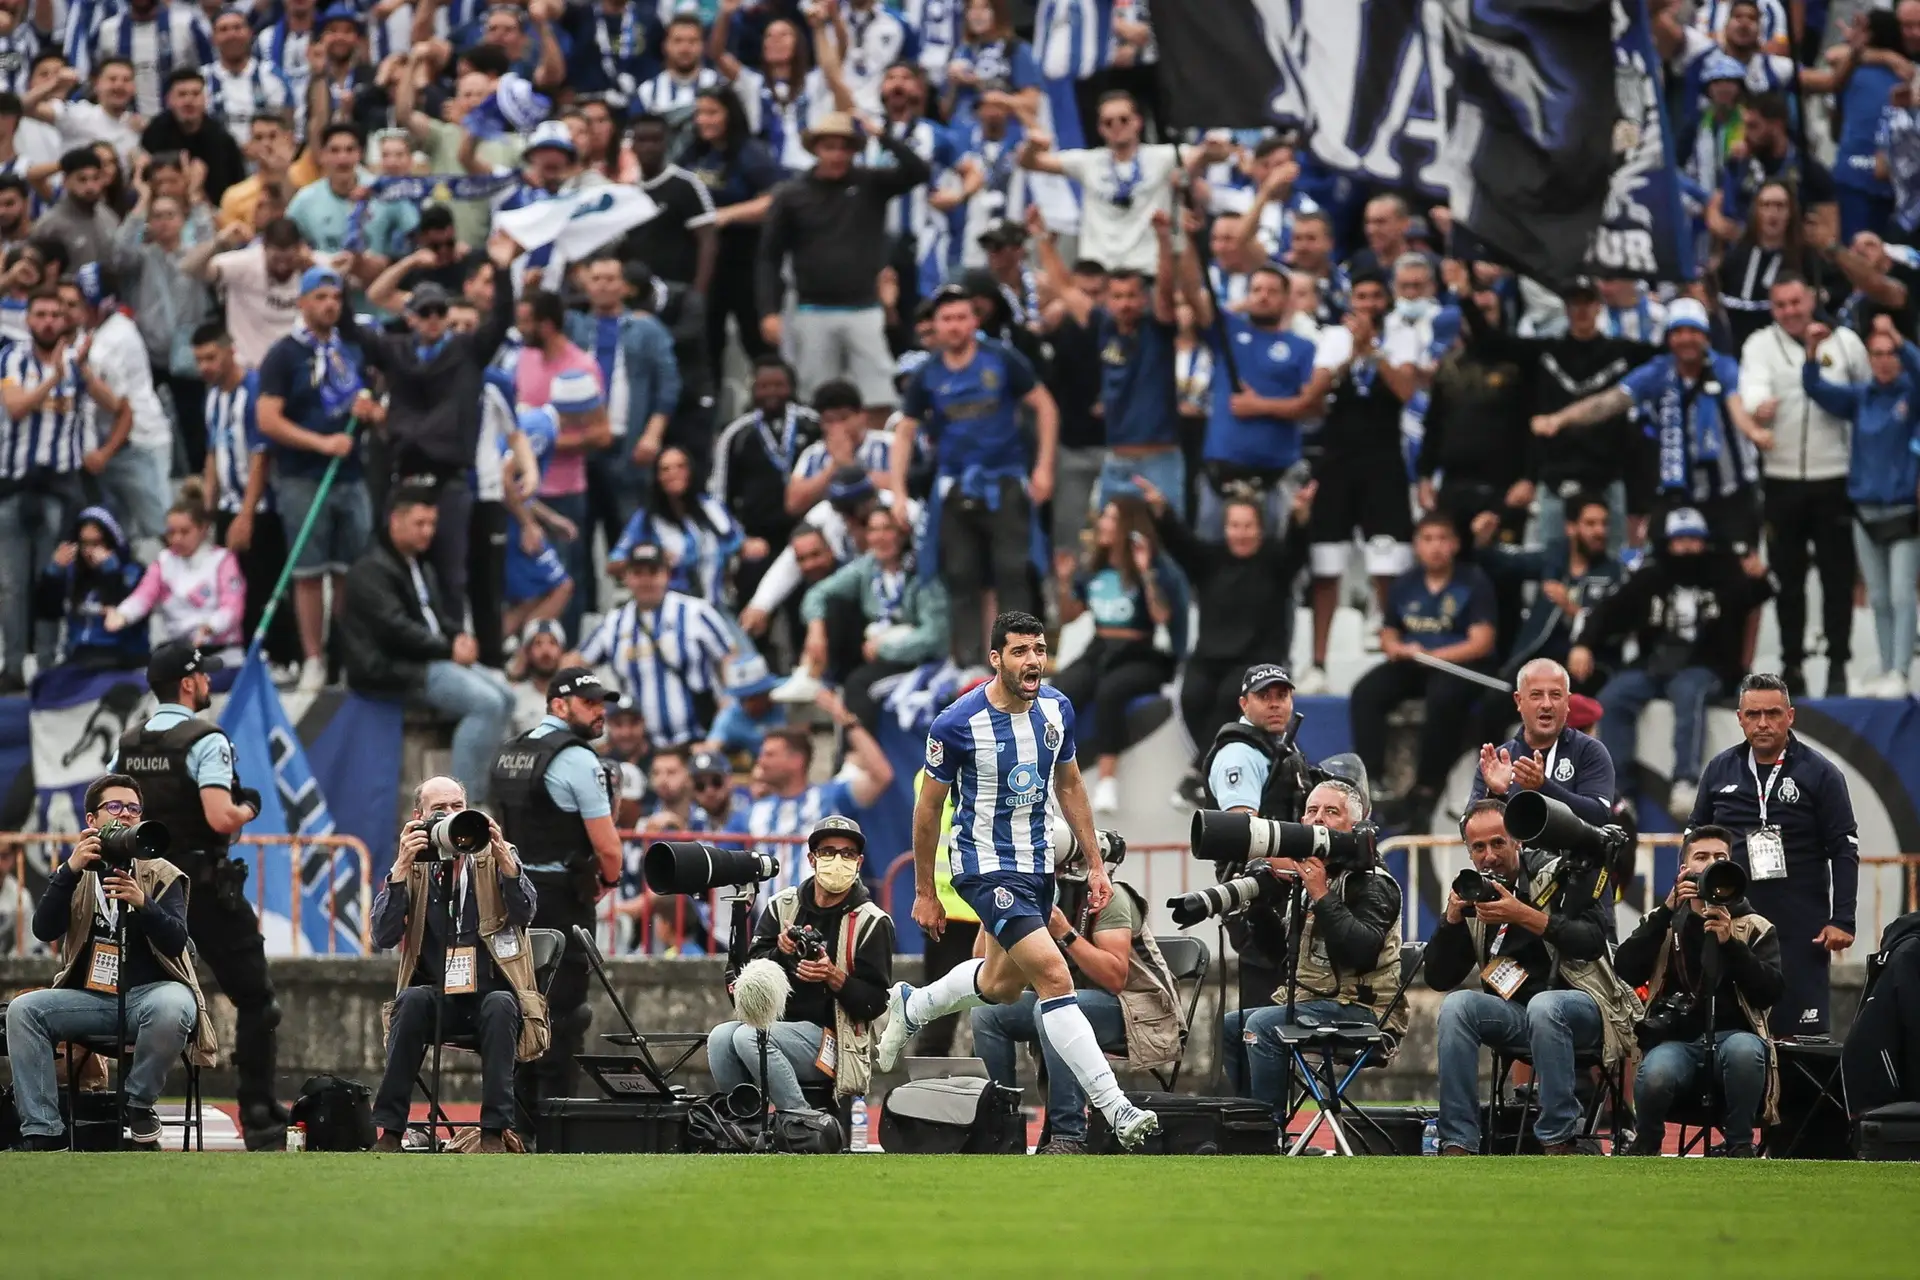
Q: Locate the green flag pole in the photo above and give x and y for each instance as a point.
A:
(297, 545)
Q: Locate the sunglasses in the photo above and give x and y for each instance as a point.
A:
(713, 783)
(121, 808)
(431, 313)
(1115, 122)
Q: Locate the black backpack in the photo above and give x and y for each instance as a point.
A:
(338, 1114)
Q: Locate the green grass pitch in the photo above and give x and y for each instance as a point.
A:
(955, 1217)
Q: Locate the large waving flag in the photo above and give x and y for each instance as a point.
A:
(577, 223)
(272, 760)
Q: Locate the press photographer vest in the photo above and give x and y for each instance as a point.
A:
(533, 823)
(157, 760)
(1320, 979)
(155, 876)
(1746, 929)
(853, 1041)
(1285, 793)
(535, 1032)
(1620, 1006)
(1150, 1009)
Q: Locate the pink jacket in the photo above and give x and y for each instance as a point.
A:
(189, 593)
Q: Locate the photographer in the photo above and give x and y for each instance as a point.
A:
(1668, 954)
(82, 910)
(1254, 766)
(1349, 965)
(837, 948)
(484, 969)
(1123, 985)
(1545, 983)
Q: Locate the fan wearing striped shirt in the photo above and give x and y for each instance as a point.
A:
(667, 650)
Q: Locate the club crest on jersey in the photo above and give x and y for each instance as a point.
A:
(1563, 771)
(1789, 790)
(1051, 737)
(936, 752)
(1023, 785)
(1003, 898)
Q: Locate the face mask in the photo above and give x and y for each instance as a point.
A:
(1415, 309)
(836, 875)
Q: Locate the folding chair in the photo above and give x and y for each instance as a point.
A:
(1611, 1094)
(1344, 1050)
(193, 1127)
(546, 946)
(1187, 960)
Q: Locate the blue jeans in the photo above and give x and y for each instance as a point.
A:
(341, 532)
(1551, 1026)
(1166, 472)
(997, 1028)
(1627, 694)
(1740, 1060)
(33, 522)
(733, 1056)
(135, 485)
(159, 1021)
(480, 703)
(1889, 570)
(1257, 1063)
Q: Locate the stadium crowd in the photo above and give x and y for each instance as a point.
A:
(890, 355)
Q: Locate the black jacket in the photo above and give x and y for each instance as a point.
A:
(1353, 924)
(1477, 425)
(1686, 611)
(381, 635)
(864, 994)
(1577, 934)
(1754, 970)
(210, 144)
(835, 232)
(433, 405)
(1246, 603)
(161, 926)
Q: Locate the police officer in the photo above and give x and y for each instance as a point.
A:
(557, 809)
(1792, 820)
(1254, 767)
(191, 784)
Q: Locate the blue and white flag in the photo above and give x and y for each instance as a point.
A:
(1644, 230)
(578, 223)
(75, 723)
(271, 758)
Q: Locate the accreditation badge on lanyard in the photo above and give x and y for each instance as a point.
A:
(103, 966)
(1766, 851)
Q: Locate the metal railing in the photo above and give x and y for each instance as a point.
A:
(46, 849)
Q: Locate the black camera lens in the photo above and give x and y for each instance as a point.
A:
(688, 866)
(121, 843)
(1472, 886)
(1722, 883)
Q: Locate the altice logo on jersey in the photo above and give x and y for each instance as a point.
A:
(1023, 786)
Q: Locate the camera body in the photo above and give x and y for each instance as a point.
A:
(1675, 1015)
(1473, 886)
(121, 843)
(808, 942)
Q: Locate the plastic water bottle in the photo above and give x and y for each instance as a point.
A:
(297, 1138)
(1430, 1138)
(859, 1124)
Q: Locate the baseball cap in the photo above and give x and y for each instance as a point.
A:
(342, 13)
(178, 659)
(1686, 313)
(1004, 234)
(748, 677)
(850, 485)
(426, 296)
(1583, 712)
(551, 133)
(575, 391)
(704, 764)
(319, 278)
(646, 553)
(835, 825)
(545, 627)
(1262, 674)
(1721, 66)
(580, 682)
(1685, 522)
(1582, 287)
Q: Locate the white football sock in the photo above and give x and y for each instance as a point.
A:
(958, 988)
(1072, 1038)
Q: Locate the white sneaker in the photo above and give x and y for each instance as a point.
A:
(800, 687)
(1313, 682)
(313, 676)
(1106, 796)
(1680, 798)
(1891, 685)
(1136, 1127)
(893, 1039)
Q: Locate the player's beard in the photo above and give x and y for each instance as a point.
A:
(1013, 682)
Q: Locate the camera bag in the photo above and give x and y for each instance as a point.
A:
(953, 1115)
(338, 1114)
(1891, 1132)
(1191, 1126)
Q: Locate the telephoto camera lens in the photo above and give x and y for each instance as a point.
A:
(688, 866)
(1218, 900)
(456, 833)
(1722, 884)
(1544, 823)
(1238, 837)
(121, 843)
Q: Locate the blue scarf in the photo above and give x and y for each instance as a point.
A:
(336, 378)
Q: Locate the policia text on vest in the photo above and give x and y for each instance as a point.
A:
(190, 781)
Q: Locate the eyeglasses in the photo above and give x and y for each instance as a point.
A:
(431, 313)
(121, 808)
(829, 855)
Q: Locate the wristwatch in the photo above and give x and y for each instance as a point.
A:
(1067, 939)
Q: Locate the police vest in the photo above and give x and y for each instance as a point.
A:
(541, 830)
(1320, 979)
(157, 760)
(1285, 794)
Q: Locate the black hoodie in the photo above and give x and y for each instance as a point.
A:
(1686, 611)
(864, 994)
(1754, 970)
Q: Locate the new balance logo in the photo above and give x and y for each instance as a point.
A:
(1729, 788)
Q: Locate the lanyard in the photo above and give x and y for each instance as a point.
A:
(1765, 792)
(459, 911)
(1123, 184)
(782, 451)
(888, 590)
(426, 600)
(613, 54)
(109, 907)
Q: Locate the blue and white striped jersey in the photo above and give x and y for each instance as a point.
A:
(1000, 767)
(1072, 38)
(53, 437)
(783, 822)
(874, 454)
(234, 98)
(175, 36)
(663, 658)
(233, 438)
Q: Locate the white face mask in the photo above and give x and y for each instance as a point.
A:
(836, 875)
(1415, 309)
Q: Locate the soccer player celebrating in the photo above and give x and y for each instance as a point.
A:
(999, 749)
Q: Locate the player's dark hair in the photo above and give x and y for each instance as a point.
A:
(1764, 682)
(339, 127)
(435, 217)
(1014, 623)
(548, 307)
(14, 182)
(772, 360)
(1705, 831)
(101, 784)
